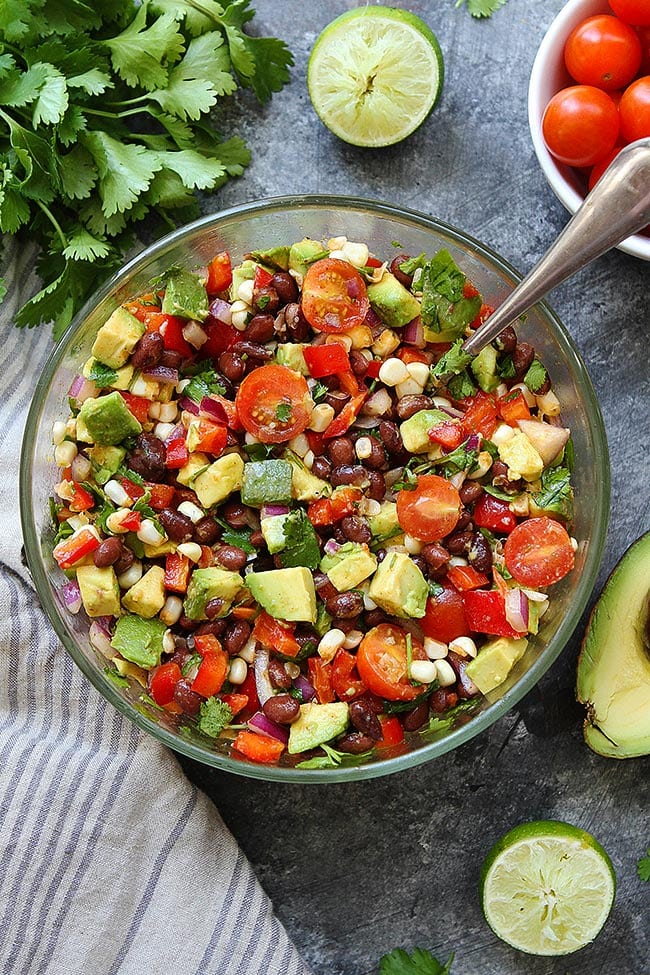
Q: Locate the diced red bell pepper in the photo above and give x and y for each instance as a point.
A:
(320, 513)
(349, 383)
(177, 572)
(249, 689)
(144, 306)
(138, 406)
(481, 415)
(244, 612)
(212, 671)
(315, 442)
(206, 643)
(320, 675)
(163, 681)
(262, 278)
(234, 423)
(408, 354)
(345, 501)
(513, 407)
(219, 273)
(258, 748)
(448, 434)
(71, 550)
(469, 291)
(171, 331)
(207, 557)
(346, 417)
(345, 677)
(133, 490)
(486, 613)
(212, 437)
(220, 338)
(392, 731)
(372, 372)
(326, 360)
(465, 577)
(275, 635)
(484, 313)
(236, 702)
(494, 514)
(373, 262)
(177, 454)
(162, 495)
(132, 521)
(81, 499)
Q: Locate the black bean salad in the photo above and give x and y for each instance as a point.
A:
(298, 514)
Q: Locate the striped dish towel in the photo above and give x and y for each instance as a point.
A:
(110, 860)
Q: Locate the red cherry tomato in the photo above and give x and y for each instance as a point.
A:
(445, 619)
(334, 297)
(272, 403)
(381, 662)
(603, 51)
(634, 109)
(644, 37)
(600, 167)
(539, 552)
(580, 125)
(430, 511)
(632, 11)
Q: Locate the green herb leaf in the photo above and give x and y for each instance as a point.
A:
(319, 392)
(283, 412)
(140, 53)
(460, 459)
(101, 375)
(643, 868)
(259, 451)
(241, 537)
(191, 664)
(413, 263)
(116, 678)
(335, 759)
(435, 588)
(438, 725)
(130, 475)
(204, 383)
(301, 546)
(461, 386)
(214, 716)
(535, 376)
(419, 962)
(556, 492)
(452, 363)
(482, 8)
(506, 368)
(498, 493)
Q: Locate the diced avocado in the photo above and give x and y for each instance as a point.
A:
(286, 594)
(266, 482)
(303, 253)
(197, 462)
(207, 584)
(105, 462)
(155, 551)
(122, 379)
(219, 480)
(521, 457)
(315, 724)
(243, 272)
(126, 669)
(415, 430)
(484, 367)
(117, 338)
(108, 419)
(139, 640)
(273, 530)
(398, 587)
(185, 296)
(384, 524)
(495, 660)
(453, 319)
(305, 486)
(100, 592)
(323, 622)
(349, 566)
(274, 257)
(548, 441)
(614, 665)
(147, 597)
(291, 354)
(392, 302)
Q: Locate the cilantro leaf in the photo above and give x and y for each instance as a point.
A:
(556, 492)
(195, 82)
(535, 376)
(643, 868)
(301, 546)
(283, 412)
(140, 53)
(335, 759)
(452, 363)
(446, 721)
(461, 386)
(125, 170)
(319, 392)
(441, 275)
(419, 962)
(463, 458)
(214, 716)
(203, 384)
(101, 375)
(482, 8)
(240, 537)
(413, 263)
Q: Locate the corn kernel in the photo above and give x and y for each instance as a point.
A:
(191, 550)
(363, 448)
(321, 417)
(419, 371)
(392, 372)
(424, 671)
(464, 645)
(65, 453)
(238, 671)
(171, 611)
(245, 291)
(445, 673)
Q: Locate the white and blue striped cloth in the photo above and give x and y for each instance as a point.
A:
(110, 860)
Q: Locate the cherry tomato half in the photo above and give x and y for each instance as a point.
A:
(604, 52)
(539, 552)
(632, 11)
(334, 296)
(445, 619)
(381, 662)
(430, 511)
(272, 403)
(580, 125)
(634, 109)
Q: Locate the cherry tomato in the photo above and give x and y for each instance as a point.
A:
(644, 37)
(381, 662)
(334, 297)
(634, 109)
(430, 511)
(632, 11)
(539, 552)
(445, 619)
(580, 125)
(272, 403)
(603, 51)
(600, 167)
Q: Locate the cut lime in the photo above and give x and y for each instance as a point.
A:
(374, 75)
(547, 888)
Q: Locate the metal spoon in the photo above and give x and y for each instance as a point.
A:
(618, 206)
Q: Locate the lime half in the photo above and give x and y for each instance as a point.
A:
(374, 75)
(547, 888)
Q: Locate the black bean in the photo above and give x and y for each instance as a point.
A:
(285, 286)
(278, 674)
(389, 433)
(252, 350)
(206, 531)
(356, 529)
(257, 539)
(282, 708)
(506, 340)
(349, 474)
(321, 467)
(187, 624)
(358, 362)
(148, 351)
(375, 617)
(364, 719)
(500, 479)
(436, 556)
(171, 359)
(125, 561)
(416, 718)
(148, 457)
(336, 398)
(465, 687)
(266, 299)
(231, 366)
(377, 487)
(355, 743)
(213, 607)
(341, 451)
(108, 552)
(297, 325)
(396, 271)
(421, 563)
(407, 406)
(236, 514)
(186, 698)
(470, 492)
(231, 557)
(522, 358)
(178, 527)
(345, 605)
(261, 328)
(459, 542)
(235, 636)
(377, 455)
(323, 586)
(464, 522)
(479, 554)
(213, 627)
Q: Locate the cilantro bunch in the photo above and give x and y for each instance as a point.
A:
(103, 123)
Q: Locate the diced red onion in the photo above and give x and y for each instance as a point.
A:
(80, 468)
(374, 322)
(306, 689)
(263, 725)
(178, 433)
(105, 623)
(195, 334)
(202, 274)
(331, 546)
(450, 411)
(189, 405)
(261, 670)
(82, 389)
(100, 640)
(534, 596)
(76, 385)
(164, 374)
(214, 409)
(473, 442)
(71, 596)
(367, 422)
(271, 510)
(516, 605)
(413, 333)
(221, 310)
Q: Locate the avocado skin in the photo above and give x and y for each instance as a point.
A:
(613, 679)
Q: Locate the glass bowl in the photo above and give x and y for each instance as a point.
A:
(264, 225)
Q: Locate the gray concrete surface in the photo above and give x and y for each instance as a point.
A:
(355, 870)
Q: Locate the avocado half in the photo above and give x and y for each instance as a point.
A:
(614, 665)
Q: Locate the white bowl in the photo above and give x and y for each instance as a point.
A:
(548, 76)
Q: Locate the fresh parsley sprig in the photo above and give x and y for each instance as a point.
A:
(419, 962)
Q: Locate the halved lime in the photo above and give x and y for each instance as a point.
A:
(547, 888)
(374, 75)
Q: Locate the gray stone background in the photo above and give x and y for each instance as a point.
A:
(357, 869)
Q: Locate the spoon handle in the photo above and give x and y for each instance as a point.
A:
(618, 206)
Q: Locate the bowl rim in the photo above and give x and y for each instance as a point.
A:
(385, 766)
(571, 14)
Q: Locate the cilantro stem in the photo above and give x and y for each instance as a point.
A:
(115, 115)
(50, 216)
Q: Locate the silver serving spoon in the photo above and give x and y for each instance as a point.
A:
(618, 206)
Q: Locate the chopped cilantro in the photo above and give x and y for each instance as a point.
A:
(482, 8)
(497, 492)
(241, 537)
(214, 716)
(130, 475)
(419, 962)
(262, 301)
(407, 482)
(335, 759)
(444, 277)
(643, 868)
(142, 505)
(435, 589)
(318, 256)
(203, 384)
(65, 529)
(413, 263)
(108, 508)
(323, 622)
(192, 664)
(446, 721)
(452, 363)
(461, 386)
(54, 511)
(506, 368)
(301, 546)
(259, 451)
(319, 392)
(536, 376)
(460, 459)
(116, 678)
(102, 375)
(283, 412)
(556, 492)
(397, 707)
